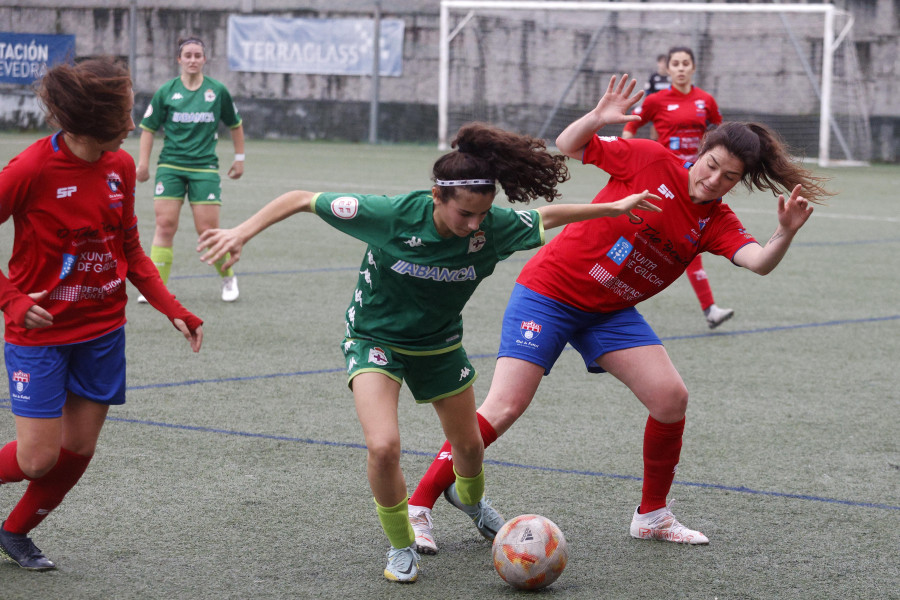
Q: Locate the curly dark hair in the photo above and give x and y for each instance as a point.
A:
(521, 164)
(92, 98)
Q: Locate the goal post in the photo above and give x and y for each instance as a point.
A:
(534, 66)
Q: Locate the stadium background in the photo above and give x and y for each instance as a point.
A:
(338, 106)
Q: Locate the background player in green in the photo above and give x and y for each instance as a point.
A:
(189, 109)
(427, 252)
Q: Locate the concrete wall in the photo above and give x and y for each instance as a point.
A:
(320, 106)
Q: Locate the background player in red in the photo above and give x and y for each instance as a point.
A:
(680, 115)
(582, 287)
(71, 198)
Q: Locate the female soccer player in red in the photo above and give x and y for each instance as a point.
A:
(582, 287)
(71, 198)
(681, 114)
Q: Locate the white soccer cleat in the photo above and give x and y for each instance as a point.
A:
(715, 316)
(142, 300)
(662, 525)
(402, 565)
(420, 519)
(230, 291)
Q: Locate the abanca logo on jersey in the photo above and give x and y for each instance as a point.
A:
(434, 273)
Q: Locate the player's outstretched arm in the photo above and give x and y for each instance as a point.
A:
(612, 108)
(195, 337)
(215, 243)
(793, 213)
(556, 215)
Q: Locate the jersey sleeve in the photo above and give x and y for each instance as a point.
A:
(368, 218)
(15, 180)
(621, 158)
(645, 111)
(156, 111)
(515, 230)
(726, 235)
(713, 116)
(230, 115)
(141, 270)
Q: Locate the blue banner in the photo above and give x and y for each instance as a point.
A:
(319, 46)
(25, 57)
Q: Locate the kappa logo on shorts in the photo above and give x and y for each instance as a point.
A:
(21, 379)
(377, 356)
(530, 330)
(159, 189)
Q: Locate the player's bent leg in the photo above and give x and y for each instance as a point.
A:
(423, 529)
(513, 386)
(486, 518)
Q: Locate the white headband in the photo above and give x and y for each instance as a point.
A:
(458, 182)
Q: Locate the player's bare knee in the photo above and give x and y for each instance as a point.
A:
(38, 464)
(383, 455)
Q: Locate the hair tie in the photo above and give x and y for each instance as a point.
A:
(459, 182)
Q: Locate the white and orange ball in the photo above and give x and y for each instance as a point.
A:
(530, 552)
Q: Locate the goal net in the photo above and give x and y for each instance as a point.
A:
(534, 67)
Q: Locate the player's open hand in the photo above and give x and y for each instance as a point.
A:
(629, 204)
(793, 212)
(38, 317)
(216, 243)
(614, 105)
(195, 337)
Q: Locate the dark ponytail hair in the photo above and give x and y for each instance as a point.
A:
(92, 98)
(521, 164)
(767, 161)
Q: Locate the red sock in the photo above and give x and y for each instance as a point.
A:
(440, 475)
(662, 449)
(10, 470)
(46, 493)
(700, 283)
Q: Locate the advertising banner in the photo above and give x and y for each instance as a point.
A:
(317, 46)
(25, 57)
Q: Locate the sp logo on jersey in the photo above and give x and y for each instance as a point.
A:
(530, 330)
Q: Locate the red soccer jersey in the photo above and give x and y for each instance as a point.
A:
(608, 264)
(76, 237)
(680, 119)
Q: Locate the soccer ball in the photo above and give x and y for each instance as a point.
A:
(530, 552)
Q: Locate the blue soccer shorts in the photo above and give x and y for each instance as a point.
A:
(40, 377)
(537, 328)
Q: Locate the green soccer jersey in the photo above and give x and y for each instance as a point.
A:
(191, 122)
(413, 284)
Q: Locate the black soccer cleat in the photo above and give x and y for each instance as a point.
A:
(21, 550)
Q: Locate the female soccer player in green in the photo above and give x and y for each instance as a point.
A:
(427, 252)
(189, 109)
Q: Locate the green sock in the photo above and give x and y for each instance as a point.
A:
(162, 258)
(220, 262)
(469, 489)
(395, 522)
